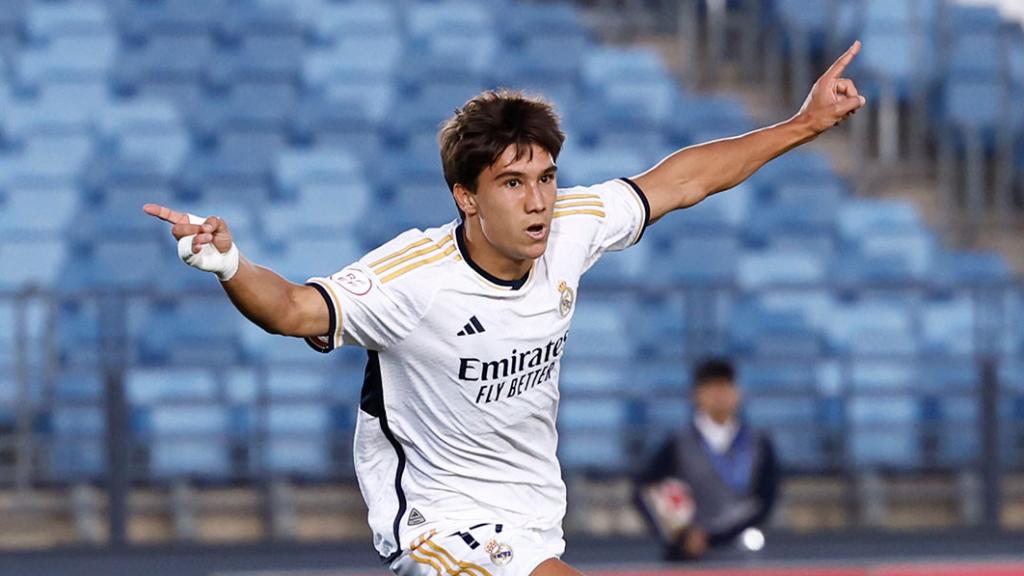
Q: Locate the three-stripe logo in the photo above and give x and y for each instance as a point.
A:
(472, 327)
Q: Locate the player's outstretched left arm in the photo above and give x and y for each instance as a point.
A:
(694, 173)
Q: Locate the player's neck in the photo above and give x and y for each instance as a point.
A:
(485, 256)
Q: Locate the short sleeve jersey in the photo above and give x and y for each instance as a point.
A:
(460, 397)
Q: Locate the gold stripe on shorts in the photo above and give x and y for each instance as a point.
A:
(464, 567)
(427, 562)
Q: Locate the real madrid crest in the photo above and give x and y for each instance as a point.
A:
(501, 554)
(567, 298)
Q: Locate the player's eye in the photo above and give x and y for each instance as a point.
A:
(513, 183)
(547, 178)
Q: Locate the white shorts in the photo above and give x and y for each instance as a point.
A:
(481, 550)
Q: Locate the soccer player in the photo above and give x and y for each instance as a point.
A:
(465, 324)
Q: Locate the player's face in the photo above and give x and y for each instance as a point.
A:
(719, 399)
(514, 202)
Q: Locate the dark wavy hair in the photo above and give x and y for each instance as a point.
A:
(480, 131)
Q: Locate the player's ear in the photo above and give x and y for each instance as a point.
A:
(465, 199)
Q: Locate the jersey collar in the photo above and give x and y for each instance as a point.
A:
(508, 284)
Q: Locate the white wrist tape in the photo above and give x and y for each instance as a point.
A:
(209, 259)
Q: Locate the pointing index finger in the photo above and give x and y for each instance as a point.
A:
(839, 66)
(166, 214)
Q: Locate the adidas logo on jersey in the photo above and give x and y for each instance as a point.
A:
(472, 327)
(415, 518)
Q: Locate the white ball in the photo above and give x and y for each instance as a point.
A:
(752, 539)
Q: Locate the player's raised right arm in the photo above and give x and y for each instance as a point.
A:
(268, 300)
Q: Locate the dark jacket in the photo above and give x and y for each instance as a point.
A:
(732, 492)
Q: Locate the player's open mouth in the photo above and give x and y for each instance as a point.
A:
(536, 231)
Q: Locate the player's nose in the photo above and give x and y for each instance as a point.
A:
(534, 198)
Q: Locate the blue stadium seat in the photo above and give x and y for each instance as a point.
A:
(731, 210)
(30, 263)
(668, 414)
(298, 439)
(261, 22)
(698, 259)
(616, 124)
(359, 59)
(600, 329)
(879, 376)
(659, 323)
(885, 432)
(154, 386)
(78, 333)
(592, 414)
(979, 105)
(295, 169)
(363, 19)
(863, 218)
(590, 166)
(342, 123)
(146, 128)
(193, 331)
(603, 66)
(949, 326)
(617, 268)
(102, 264)
(320, 210)
(760, 269)
(900, 14)
(949, 375)
(166, 56)
(448, 17)
(971, 54)
(37, 213)
(804, 203)
(756, 330)
(47, 21)
(68, 60)
(261, 348)
(262, 58)
(895, 59)
(797, 167)
(759, 375)
(77, 446)
(139, 20)
(291, 384)
(962, 18)
(603, 450)
(953, 422)
(230, 173)
(306, 257)
(960, 267)
(193, 457)
(581, 376)
(888, 256)
(78, 386)
(872, 328)
(525, 22)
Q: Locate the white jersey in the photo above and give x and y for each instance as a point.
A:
(457, 418)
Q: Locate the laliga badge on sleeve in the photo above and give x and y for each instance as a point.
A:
(501, 554)
(354, 281)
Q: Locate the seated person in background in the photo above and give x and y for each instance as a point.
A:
(713, 479)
